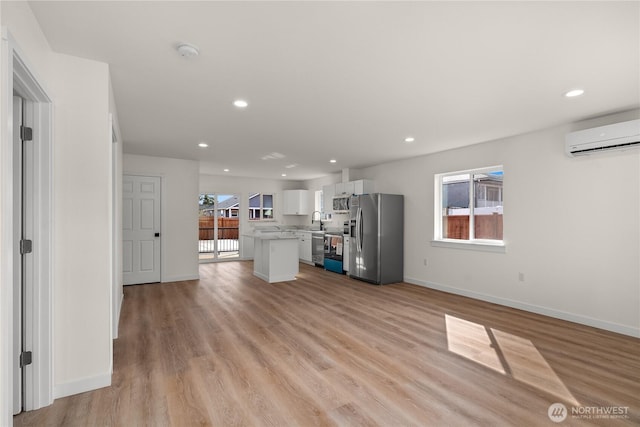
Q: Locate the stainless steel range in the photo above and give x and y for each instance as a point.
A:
(333, 244)
(317, 248)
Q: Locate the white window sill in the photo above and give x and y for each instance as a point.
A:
(483, 246)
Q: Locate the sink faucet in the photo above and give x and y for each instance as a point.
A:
(313, 215)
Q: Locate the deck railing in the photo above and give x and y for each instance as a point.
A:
(228, 234)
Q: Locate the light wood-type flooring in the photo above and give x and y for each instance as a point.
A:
(230, 349)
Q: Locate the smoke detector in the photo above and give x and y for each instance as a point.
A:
(187, 50)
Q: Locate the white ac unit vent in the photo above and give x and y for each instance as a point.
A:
(618, 136)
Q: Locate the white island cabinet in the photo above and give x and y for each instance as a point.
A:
(275, 257)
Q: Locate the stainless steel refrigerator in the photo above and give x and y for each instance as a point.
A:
(376, 248)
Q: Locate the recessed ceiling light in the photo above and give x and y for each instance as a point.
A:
(226, 170)
(203, 145)
(240, 103)
(574, 92)
(409, 139)
(284, 174)
(332, 161)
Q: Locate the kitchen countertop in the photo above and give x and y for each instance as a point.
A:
(289, 233)
(273, 237)
(277, 235)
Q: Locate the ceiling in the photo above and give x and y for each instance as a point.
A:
(347, 80)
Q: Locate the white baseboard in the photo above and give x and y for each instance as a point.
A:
(558, 314)
(180, 278)
(81, 385)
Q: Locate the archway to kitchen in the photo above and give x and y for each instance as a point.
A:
(218, 227)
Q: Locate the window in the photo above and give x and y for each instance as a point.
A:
(470, 206)
(318, 201)
(260, 207)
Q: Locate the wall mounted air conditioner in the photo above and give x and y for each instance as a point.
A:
(618, 136)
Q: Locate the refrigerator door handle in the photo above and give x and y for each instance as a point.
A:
(359, 228)
(356, 229)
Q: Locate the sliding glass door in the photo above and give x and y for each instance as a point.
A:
(219, 224)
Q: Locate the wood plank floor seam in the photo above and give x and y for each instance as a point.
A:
(232, 350)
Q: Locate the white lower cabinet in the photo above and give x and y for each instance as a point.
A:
(304, 246)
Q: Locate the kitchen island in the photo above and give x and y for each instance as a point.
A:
(275, 257)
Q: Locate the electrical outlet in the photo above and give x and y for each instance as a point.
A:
(521, 277)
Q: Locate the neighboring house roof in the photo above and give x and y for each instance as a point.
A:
(254, 201)
(234, 202)
(231, 202)
(456, 193)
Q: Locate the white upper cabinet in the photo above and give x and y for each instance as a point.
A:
(362, 186)
(344, 188)
(328, 191)
(296, 202)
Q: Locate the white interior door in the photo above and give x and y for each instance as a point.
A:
(140, 229)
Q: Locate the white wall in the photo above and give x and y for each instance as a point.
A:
(247, 186)
(571, 226)
(179, 215)
(82, 223)
(82, 205)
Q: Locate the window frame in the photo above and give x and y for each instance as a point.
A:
(471, 243)
(318, 201)
(261, 208)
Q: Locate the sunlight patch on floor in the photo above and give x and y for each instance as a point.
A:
(505, 353)
(470, 340)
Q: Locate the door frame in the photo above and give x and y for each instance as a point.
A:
(216, 244)
(16, 75)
